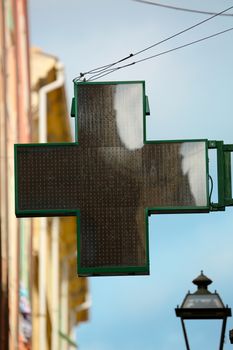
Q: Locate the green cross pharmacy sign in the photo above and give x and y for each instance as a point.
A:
(112, 178)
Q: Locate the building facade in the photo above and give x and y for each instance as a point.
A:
(41, 298)
(60, 298)
(15, 126)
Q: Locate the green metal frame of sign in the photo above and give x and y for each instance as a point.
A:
(224, 175)
(74, 106)
(224, 188)
(98, 271)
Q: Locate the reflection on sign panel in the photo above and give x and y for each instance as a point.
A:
(111, 176)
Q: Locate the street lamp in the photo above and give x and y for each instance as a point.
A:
(203, 305)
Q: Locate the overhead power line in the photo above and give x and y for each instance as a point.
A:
(111, 70)
(185, 30)
(181, 8)
(100, 71)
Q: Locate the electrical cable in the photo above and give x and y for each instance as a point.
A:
(211, 188)
(181, 8)
(102, 68)
(106, 72)
(185, 45)
(184, 30)
(105, 68)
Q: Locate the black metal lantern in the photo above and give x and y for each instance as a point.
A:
(203, 305)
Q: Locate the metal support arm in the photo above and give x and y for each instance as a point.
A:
(224, 175)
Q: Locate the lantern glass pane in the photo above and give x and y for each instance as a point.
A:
(209, 301)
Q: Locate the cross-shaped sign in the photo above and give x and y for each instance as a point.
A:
(112, 178)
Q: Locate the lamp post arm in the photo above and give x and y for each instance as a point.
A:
(185, 334)
(224, 323)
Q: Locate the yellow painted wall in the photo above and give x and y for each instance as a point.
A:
(43, 71)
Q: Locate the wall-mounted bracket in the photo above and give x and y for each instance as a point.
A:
(72, 111)
(223, 175)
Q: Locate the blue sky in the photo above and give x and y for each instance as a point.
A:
(190, 95)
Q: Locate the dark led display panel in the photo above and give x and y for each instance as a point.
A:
(110, 177)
